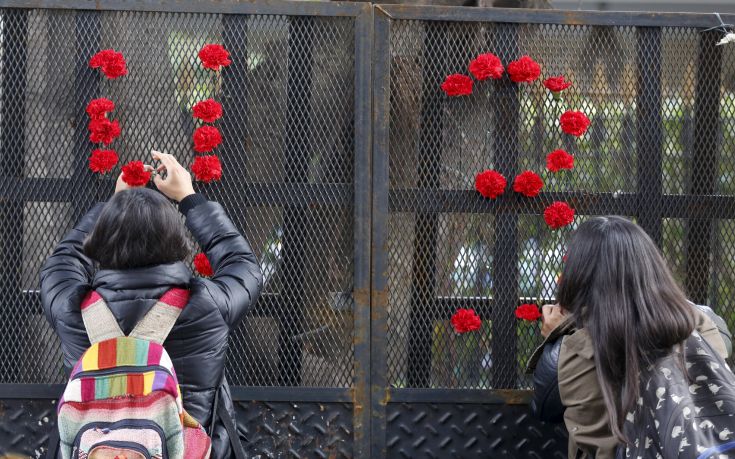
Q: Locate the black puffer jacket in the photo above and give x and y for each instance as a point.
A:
(198, 342)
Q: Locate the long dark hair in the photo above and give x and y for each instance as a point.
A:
(617, 285)
(137, 227)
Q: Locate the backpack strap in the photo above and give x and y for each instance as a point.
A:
(99, 321)
(161, 318)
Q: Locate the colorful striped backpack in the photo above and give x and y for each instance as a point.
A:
(123, 398)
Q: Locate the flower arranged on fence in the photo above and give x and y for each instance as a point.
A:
(104, 131)
(486, 66)
(466, 320)
(134, 173)
(528, 312)
(207, 168)
(202, 265)
(558, 215)
(574, 123)
(558, 160)
(490, 184)
(103, 161)
(528, 183)
(457, 85)
(214, 57)
(524, 70)
(111, 62)
(99, 108)
(557, 84)
(206, 139)
(208, 110)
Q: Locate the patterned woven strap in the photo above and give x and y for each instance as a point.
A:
(99, 321)
(158, 322)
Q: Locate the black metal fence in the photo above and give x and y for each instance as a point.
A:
(352, 176)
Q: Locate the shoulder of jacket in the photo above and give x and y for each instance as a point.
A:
(578, 343)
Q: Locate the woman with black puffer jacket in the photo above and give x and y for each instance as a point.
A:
(131, 250)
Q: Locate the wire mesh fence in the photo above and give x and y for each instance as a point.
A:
(659, 150)
(287, 157)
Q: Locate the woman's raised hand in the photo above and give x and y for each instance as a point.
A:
(177, 184)
(553, 315)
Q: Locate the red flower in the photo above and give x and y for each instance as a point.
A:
(207, 168)
(102, 161)
(214, 57)
(486, 66)
(528, 312)
(206, 139)
(466, 320)
(574, 123)
(490, 184)
(134, 174)
(528, 183)
(102, 130)
(202, 265)
(111, 62)
(99, 108)
(207, 110)
(524, 70)
(556, 84)
(558, 160)
(558, 215)
(457, 85)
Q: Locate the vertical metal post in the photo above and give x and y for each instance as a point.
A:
(650, 131)
(295, 218)
(12, 162)
(426, 228)
(362, 228)
(506, 108)
(379, 384)
(86, 88)
(699, 231)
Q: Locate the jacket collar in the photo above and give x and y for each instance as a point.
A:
(150, 277)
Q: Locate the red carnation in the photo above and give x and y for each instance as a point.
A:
(466, 320)
(524, 70)
(207, 168)
(490, 184)
(457, 85)
(207, 110)
(99, 108)
(102, 130)
(214, 57)
(528, 183)
(528, 312)
(134, 174)
(206, 139)
(111, 62)
(558, 215)
(556, 84)
(558, 160)
(486, 66)
(102, 161)
(574, 123)
(202, 265)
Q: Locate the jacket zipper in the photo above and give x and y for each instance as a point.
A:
(123, 444)
(121, 370)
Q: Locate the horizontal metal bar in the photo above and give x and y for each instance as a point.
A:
(31, 391)
(565, 17)
(485, 397)
(290, 8)
(252, 194)
(292, 394)
(469, 201)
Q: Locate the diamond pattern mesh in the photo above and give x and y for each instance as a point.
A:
(661, 104)
(288, 156)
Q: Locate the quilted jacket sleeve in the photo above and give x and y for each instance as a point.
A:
(546, 403)
(67, 274)
(237, 279)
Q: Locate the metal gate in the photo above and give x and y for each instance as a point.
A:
(352, 175)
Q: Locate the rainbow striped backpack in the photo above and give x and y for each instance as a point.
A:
(123, 398)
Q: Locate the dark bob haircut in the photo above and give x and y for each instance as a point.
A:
(137, 227)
